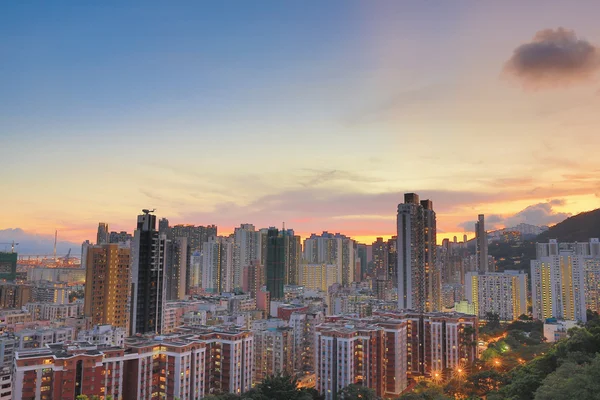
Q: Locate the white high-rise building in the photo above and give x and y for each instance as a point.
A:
(217, 264)
(333, 249)
(247, 249)
(561, 276)
(419, 277)
(502, 293)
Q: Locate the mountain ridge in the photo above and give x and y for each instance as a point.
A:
(578, 228)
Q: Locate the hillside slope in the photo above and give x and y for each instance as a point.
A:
(578, 228)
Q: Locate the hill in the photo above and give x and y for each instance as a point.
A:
(578, 228)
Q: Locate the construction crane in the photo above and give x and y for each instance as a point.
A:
(67, 257)
(12, 245)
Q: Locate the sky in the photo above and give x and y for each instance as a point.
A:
(317, 114)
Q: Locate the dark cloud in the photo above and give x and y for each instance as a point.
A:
(32, 243)
(554, 58)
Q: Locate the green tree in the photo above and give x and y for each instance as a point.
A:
(357, 392)
(493, 320)
(279, 387)
(426, 392)
(572, 381)
(486, 381)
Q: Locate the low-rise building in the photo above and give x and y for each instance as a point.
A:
(103, 335)
(555, 330)
(40, 338)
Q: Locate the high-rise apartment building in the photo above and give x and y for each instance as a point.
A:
(481, 245)
(195, 276)
(197, 235)
(276, 256)
(14, 295)
(254, 278)
(164, 228)
(501, 293)
(419, 278)
(247, 250)
(371, 352)
(120, 237)
(147, 276)
(561, 275)
(592, 283)
(103, 234)
(218, 264)
(304, 326)
(8, 266)
(349, 354)
(107, 285)
(392, 260)
(361, 254)
(188, 365)
(380, 258)
(273, 352)
(336, 249)
(177, 268)
(293, 257)
(65, 372)
(318, 276)
(436, 342)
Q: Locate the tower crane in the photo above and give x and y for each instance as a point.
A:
(12, 245)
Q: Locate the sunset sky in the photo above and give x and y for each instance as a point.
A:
(319, 114)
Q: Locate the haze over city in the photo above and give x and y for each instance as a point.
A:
(319, 114)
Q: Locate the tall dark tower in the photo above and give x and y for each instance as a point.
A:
(275, 263)
(148, 276)
(481, 244)
(419, 278)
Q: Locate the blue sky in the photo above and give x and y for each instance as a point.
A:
(214, 111)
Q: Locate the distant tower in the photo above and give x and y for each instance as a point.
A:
(176, 272)
(419, 278)
(103, 233)
(163, 227)
(275, 263)
(148, 276)
(380, 258)
(481, 244)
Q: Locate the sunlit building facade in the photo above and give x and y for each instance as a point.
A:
(563, 276)
(501, 293)
(107, 285)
